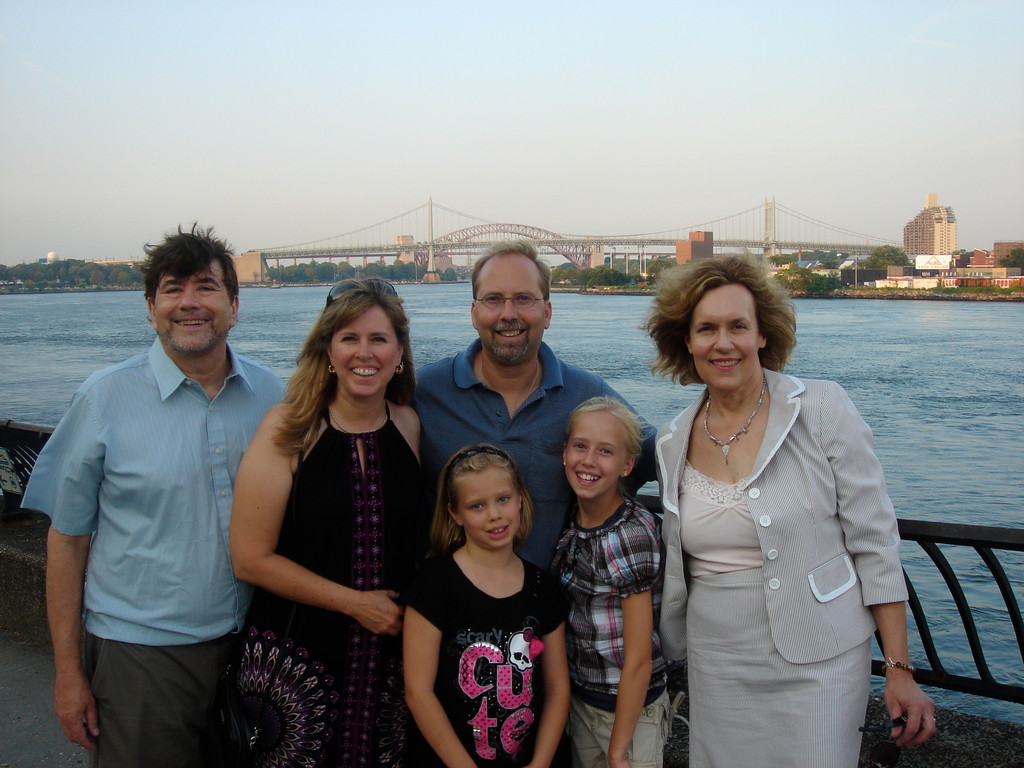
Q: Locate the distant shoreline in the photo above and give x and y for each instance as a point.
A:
(892, 294)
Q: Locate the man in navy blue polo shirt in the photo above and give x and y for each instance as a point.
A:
(508, 388)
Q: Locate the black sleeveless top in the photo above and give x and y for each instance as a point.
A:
(331, 690)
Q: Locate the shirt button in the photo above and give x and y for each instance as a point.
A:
(754, 493)
(764, 520)
(774, 583)
(223, 494)
(216, 450)
(772, 554)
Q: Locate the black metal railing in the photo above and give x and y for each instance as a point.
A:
(22, 443)
(988, 542)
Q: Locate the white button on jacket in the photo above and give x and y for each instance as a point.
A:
(819, 486)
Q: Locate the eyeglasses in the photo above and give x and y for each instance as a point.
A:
(376, 285)
(494, 302)
(885, 727)
(884, 755)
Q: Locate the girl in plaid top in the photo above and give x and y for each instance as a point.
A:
(609, 563)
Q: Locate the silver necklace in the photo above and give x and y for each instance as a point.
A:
(337, 423)
(724, 444)
(536, 375)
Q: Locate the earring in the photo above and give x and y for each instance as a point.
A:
(330, 368)
(400, 368)
(624, 474)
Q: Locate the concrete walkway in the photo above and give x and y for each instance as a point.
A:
(30, 735)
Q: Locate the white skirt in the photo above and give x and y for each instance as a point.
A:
(749, 707)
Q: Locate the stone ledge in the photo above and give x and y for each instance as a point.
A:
(23, 576)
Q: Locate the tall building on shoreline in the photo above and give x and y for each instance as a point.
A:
(932, 231)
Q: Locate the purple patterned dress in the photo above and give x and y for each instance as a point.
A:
(331, 693)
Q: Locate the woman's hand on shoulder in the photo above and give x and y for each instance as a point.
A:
(378, 612)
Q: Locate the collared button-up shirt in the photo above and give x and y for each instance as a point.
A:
(598, 568)
(456, 408)
(145, 462)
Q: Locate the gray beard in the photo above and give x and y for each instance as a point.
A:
(510, 354)
(196, 349)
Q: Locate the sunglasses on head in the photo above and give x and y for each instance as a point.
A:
(377, 285)
(476, 450)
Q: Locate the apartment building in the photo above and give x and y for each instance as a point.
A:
(932, 231)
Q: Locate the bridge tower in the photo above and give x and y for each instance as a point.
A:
(431, 275)
(769, 227)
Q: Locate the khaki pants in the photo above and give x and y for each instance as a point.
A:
(590, 729)
(154, 703)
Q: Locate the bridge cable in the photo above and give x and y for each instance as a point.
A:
(346, 234)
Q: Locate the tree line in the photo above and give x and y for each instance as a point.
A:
(326, 272)
(84, 275)
(70, 273)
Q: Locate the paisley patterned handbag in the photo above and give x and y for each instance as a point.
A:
(239, 730)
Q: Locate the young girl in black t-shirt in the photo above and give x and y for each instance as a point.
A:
(478, 618)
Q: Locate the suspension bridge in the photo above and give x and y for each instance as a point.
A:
(768, 228)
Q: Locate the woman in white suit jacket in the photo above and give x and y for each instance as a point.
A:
(782, 551)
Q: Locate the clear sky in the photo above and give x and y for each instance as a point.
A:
(282, 122)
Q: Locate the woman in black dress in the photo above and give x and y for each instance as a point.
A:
(323, 523)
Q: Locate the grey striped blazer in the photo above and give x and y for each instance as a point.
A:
(826, 525)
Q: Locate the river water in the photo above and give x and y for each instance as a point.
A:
(940, 383)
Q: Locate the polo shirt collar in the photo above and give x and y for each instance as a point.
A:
(169, 376)
(465, 378)
(552, 368)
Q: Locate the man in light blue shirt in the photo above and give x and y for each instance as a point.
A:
(137, 481)
(509, 388)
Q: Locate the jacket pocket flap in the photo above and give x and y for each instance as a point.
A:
(832, 579)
